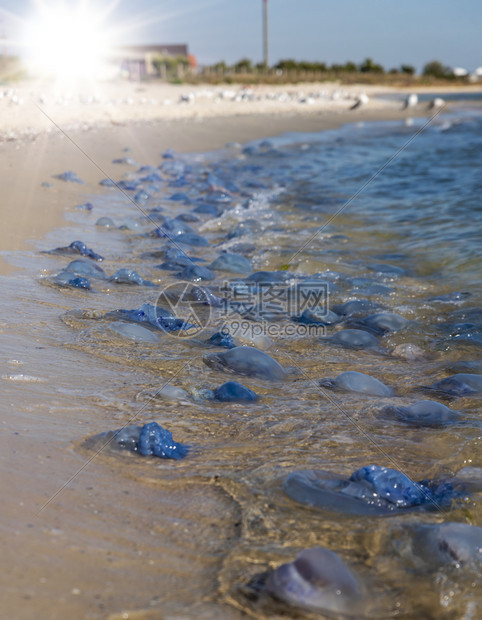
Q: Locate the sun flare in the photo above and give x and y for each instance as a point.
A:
(67, 42)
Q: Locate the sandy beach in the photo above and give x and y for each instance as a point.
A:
(115, 103)
(45, 131)
(119, 543)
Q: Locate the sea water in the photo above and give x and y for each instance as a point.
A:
(389, 212)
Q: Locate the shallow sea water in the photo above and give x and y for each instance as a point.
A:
(183, 539)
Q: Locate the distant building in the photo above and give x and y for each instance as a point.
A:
(137, 61)
(460, 72)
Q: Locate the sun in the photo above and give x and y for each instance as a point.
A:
(67, 41)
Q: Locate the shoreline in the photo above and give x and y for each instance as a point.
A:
(428, 90)
(31, 210)
(29, 109)
(123, 538)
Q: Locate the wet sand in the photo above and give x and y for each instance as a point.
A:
(113, 541)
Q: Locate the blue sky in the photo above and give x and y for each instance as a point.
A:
(390, 31)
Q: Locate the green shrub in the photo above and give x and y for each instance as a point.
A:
(368, 66)
(408, 69)
(436, 69)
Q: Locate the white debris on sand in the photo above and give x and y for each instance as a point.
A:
(28, 109)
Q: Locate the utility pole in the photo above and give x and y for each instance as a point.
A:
(265, 34)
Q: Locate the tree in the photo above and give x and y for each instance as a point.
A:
(260, 66)
(220, 67)
(183, 61)
(350, 67)
(244, 66)
(164, 65)
(170, 67)
(408, 69)
(368, 66)
(287, 65)
(181, 66)
(435, 68)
